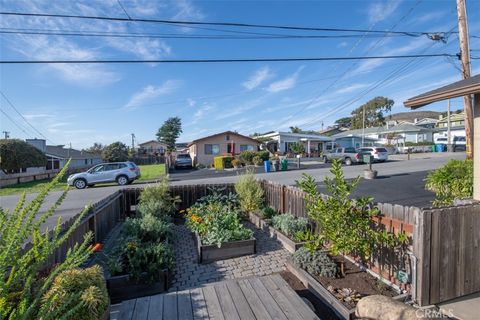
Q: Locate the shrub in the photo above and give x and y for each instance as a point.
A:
(257, 161)
(452, 181)
(21, 287)
(318, 263)
(148, 228)
(217, 195)
(222, 162)
(155, 199)
(297, 148)
(269, 213)
(216, 223)
(288, 224)
(236, 163)
(264, 155)
(115, 152)
(16, 154)
(77, 294)
(247, 157)
(250, 192)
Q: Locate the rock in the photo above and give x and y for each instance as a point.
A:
(378, 307)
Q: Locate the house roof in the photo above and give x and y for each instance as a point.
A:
(61, 152)
(151, 141)
(299, 135)
(356, 136)
(223, 133)
(402, 127)
(453, 90)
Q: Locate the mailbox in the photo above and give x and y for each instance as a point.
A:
(367, 158)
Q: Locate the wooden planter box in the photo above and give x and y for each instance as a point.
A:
(323, 294)
(286, 242)
(122, 288)
(209, 253)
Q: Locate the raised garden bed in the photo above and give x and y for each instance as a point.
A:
(355, 278)
(122, 287)
(289, 244)
(209, 253)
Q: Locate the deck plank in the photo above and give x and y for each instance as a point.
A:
(288, 309)
(199, 306)
(213, 305)
(270, 304)
(126, 310)
(293, 298)
(170, 306)
(155, 308)
(141, 309)
(184, 305)
(254, 301)
(241, 303)
(226, 302)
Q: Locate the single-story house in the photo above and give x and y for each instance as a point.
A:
(203, 150)
(151, 148)
(57, 156)
(396, 135)
(281, 142)
(352, 141)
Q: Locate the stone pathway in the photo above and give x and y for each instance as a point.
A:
(270, 258)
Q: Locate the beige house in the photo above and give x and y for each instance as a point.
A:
(151, 148)
(205, 149)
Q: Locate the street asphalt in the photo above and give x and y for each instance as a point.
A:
(399, 181)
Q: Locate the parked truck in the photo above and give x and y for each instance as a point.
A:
(348, 156)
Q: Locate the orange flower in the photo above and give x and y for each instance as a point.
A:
(196, 218)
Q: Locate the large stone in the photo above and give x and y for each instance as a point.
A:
(379, 307)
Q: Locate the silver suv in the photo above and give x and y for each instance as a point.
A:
(121, 172)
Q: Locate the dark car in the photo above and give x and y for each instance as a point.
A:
(183, 160)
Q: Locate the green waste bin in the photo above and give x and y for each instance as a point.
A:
(284, 164)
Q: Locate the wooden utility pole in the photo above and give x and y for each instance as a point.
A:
(465, 59)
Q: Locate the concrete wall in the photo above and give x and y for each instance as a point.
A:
(33, 175)
(197, 150)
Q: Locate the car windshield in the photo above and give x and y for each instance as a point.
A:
(381, 150)
(183, 156)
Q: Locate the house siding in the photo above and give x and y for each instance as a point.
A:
(197, 149)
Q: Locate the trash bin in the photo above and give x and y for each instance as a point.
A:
(439, 147)
(284, 165)
(266, 165)
(433, 148)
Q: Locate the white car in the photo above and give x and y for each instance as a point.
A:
(379, 154)
(122, 173)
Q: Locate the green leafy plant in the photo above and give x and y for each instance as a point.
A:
(76, 294)
(236, 163)
(250, 192)
(257, 161)
(148, 228)
(289, 224)
(452, 181)
(17, 154)
(297, 148)
(156, 200)
(219, 195)
(317, 263)
(21, 284)
(312, 241)
(264, 155)
(247, 157)
(269, 213)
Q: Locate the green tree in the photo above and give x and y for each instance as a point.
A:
(169, 132)
(115, 152)
(295, 130)
(374, 113)
(344, 122)
(297, 147)
(16, 154)
(97, 148)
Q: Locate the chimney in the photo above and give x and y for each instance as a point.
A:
(40, 144)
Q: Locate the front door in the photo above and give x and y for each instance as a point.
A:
(231, 148)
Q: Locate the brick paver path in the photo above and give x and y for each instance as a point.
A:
(270, 258)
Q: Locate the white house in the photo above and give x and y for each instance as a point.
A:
(281, 142)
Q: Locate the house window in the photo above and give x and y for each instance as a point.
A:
(246, 147)
(227, 137)
(212, 149)
(86, 161)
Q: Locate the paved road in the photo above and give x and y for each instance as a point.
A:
(399, 180)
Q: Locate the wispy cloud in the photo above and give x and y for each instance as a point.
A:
(260, 76)
(381, 10)
(151, 92)
(285, 84)
(201, 112)
(351, 88)
(186, 10)
(143, 48)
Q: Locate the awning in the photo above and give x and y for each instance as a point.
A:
(457, 89)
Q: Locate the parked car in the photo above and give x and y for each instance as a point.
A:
(459, 144)
(348, 156)
(441, 140)
(183, 160)
(379, 154)
(122, 173)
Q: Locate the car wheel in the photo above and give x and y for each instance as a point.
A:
(348, 161)
(80, 183)
(122, 180)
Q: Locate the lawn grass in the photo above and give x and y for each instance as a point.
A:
(149, 172)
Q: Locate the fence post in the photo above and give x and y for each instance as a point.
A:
(282, 198)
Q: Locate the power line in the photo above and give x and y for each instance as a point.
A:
(225, 24)
(21, 115)
(227, 60)
(15, 123)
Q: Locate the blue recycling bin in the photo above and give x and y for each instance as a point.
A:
(266, 165)
(439, 147)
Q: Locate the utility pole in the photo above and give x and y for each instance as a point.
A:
(363, 127)
(449, 139)
(133, 140)
(465, 60)
(6, 134)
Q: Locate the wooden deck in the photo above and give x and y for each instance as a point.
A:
(268, 297)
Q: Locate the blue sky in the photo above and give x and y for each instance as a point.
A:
(83, 104)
